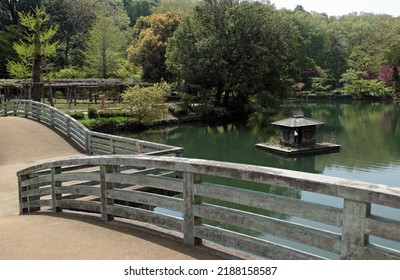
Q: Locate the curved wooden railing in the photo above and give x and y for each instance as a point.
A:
(89, 141)
(136, 187)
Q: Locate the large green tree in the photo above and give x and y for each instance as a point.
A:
(75, 18)
(240, 48)
(138, 8)
(33, 49)
(148, 51)
(105, 47)
(13, 7)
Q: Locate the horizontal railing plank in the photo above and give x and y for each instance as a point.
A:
(375, 252)
(166, 183)
(251, 245)
(146, 216)
(91, 206)
(163, 201)
(321, 239)
(78, 189)
(383, 227)
(285, 205)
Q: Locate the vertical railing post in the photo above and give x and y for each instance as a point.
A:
(112, 147)
(104, 187)
(52, 117)
(88, 140)
(189, 200)
(39, 111)
(55, 196)
(68, 128)
(26, 109)
(15, 108)
(23, 200)
(354, 238)
(5, 109)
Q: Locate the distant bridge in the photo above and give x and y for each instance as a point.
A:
(253, 221)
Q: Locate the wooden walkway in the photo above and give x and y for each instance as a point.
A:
(69, 235)
(57, 186)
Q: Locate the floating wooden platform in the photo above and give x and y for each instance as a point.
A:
(318, 148)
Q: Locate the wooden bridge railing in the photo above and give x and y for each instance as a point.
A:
(89, 141)
(118, 186)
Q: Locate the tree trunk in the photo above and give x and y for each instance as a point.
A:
(37, 86)
(226, 99)
(220, 89)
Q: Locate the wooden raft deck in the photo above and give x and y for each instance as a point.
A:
(318, 148)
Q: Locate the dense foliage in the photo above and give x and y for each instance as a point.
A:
(146, 104)
(240, 51)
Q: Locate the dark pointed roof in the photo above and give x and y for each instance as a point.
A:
(297, 121)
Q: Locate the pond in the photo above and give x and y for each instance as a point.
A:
(369, 133)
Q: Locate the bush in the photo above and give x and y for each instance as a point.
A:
(92, 112)
(77, 115)
(112, 125)
(178, 110)
(146, 103)
(112, 114)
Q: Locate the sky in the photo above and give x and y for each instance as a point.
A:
(343, 7)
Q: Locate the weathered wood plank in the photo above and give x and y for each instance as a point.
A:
(79, 189)
(165, 183)
(251, 245)
(171, 203)
(54, 185)
(281, 204)
(45, 179)
(317, 238)
(42, 191)
(146, 216)
(190, 221)
(78, 176)
(37, 203)
(353, 237)
(91, 206)
(104, 186)
(375, 252)
(383, 227)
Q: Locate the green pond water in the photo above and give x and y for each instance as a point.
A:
(369, 133)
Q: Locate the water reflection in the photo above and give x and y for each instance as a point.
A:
(369, 134)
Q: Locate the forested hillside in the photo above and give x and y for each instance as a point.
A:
(236, 49)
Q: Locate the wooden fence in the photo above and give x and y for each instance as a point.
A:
(239, 218)
(89, 141)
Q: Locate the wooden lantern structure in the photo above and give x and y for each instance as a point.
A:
(298, 131)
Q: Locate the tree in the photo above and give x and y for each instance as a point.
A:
(393, 58)
(150, 47)
(181, 7)
(105, 46)
(356, 84)
(242, 49)
(146, 103)
(138, 8)
(34, 48)
(74, 18)
(13, 7)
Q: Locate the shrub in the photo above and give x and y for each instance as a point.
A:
(77, 115)
(92, 112)
(112, 125)
(112, 114)
(178, 110)
(146, 103)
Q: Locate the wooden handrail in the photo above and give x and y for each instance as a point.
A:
(132, 186)
(89, 141)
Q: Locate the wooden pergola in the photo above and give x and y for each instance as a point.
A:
(11, 89)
